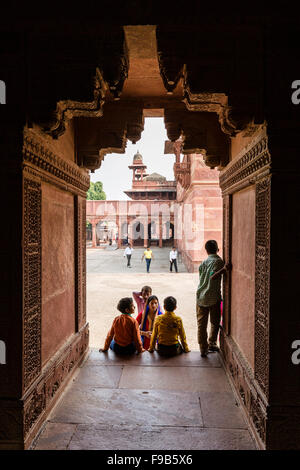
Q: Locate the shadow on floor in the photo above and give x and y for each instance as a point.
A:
(145, 402)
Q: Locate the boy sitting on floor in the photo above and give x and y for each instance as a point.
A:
(124, 336)
(168, 328)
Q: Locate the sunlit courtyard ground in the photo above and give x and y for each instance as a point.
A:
(109, 279)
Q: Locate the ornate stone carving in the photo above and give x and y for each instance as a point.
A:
(256, 159)
(262, 280)
(32, 281)
(252, 386)
(67, 109)
(37, 153)
(54, 377)
(227, 224)
(80, 221)
(182, 173)
(172, 121)
(213, 103)
(34, 407)
(135, 125)
(249, 392)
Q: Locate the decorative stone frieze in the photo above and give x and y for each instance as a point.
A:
(246, 167)
(37, 153)
(42, 395)
(247, 388)
(67, 109)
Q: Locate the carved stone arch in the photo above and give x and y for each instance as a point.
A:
(73, 73)
(68, 109)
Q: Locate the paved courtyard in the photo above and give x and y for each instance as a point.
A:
(144, 402)
(108, 280)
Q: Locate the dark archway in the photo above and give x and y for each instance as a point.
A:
(220, 97)
(138, 234)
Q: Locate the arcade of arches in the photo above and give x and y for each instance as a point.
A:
(184, 212)
(77, 93)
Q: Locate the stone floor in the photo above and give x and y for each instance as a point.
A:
(145, 402)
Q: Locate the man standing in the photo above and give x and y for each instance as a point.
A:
(173, 259)
(128, 252)
(209, 297)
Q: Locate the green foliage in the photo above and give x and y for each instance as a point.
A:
(96, 192)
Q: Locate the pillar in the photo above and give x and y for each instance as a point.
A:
(160, 230)
(119, 225)
(94, 235)
(145, 225)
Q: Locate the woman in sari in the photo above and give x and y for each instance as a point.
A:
(146, 319)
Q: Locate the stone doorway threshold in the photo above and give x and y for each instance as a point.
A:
(146, 403)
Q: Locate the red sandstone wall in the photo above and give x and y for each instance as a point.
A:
(204, 196)
(64, 145)
(243, 272)
(58, 307)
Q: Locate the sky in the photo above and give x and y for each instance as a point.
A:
(114, 172)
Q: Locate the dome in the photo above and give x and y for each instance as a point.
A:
(155, 177)
(137, 157)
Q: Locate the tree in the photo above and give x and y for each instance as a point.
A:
(96, 191)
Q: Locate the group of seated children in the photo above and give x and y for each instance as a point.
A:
(150, 330)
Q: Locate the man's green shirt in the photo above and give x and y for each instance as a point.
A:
(209, 291)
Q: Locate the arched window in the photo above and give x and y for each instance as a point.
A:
(2, 92)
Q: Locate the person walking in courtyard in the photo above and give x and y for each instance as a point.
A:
(173, 259)
(124, 335)
(147, 318)
(148, 255)
(142, 297)
(209, 298)
(168, 328)
(128, 252)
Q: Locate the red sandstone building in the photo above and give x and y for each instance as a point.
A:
(185, 212)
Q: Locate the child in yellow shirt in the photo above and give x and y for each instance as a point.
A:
(168, 328)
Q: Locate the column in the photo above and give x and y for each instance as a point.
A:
(129, 231)
(160, 230)
(94, 237)
(119, 225)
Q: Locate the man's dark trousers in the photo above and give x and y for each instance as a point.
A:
(174, 261)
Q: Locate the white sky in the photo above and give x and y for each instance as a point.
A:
(114, 172)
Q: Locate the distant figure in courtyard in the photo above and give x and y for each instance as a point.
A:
(147, 318)
(209, 298)
(169, 329)
(173, 259)
(124, 336)
(142, 297)
(128, 252)
(148, 255)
